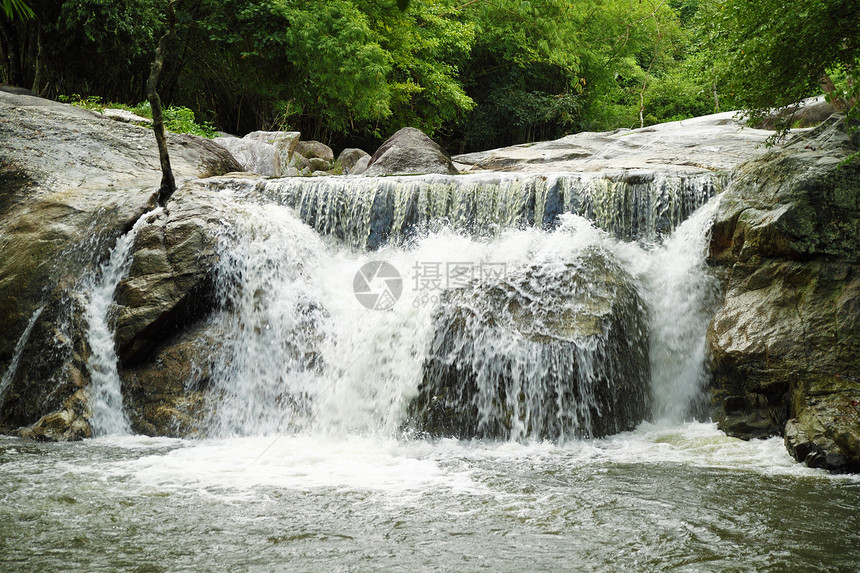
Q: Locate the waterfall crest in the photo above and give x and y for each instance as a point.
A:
(367, 212)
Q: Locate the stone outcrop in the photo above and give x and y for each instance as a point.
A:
(710, 143)
(278, 153)
(410, 152)
(72, 182)
(353, 161)
(163, 337)
(549, 352)
(786, 342)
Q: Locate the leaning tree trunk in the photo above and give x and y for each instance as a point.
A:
(168, 183)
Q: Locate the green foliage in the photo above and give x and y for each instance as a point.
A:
(177, 119)
(16, 8)
(475, 73)
(180, 119)
(770, 53)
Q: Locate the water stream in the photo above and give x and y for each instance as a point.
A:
(311, 463)
(108, 416)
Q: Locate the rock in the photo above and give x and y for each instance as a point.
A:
(170, 282)
(360, 166)
(126, 116)
(300, 164)
(704, 144)
(318, 164)
(254, 156)
(165, 393)
(809, 114)
(312, 149)
(349, 157)
(284, 141)
(69, 423)
(410, 152)
(826, 430)
(266, 153)
(550, 351)
(786, 342)
(73, 181)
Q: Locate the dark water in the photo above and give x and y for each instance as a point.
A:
(684, 498)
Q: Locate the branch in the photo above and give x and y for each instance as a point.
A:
(168, 183)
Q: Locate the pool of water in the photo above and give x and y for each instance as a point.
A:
(661, 498)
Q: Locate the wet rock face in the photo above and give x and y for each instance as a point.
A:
(71, 182)
(785, 345)
(520, 358)
(163, 304)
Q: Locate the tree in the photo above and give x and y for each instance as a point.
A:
(168, 183)
(776, 53)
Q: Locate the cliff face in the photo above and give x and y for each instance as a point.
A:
(785, 345)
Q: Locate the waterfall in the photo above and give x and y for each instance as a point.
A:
(683, 297)
(19, 350)
(301, 352)
(265, 375)
(367, 212)
(105, 396)
(579, 327)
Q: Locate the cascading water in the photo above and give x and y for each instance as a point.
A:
(107, 414)
(299, 352)
(313, 398)
(682, 296)
(6, 380)
(369, 212)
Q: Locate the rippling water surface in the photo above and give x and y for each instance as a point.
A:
(683, 498)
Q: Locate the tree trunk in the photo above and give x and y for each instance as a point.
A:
(168, 183)
(16, 78)
(829, 89)
(716, 98)
(37, 73)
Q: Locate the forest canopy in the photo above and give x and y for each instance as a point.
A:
(474, 73)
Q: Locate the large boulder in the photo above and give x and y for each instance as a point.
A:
(548, 351)
(353, 161)
(71, 182)
(162, 334)
(254, 156)
(786, 342)
(410, 152)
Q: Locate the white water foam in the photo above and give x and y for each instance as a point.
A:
(108, 414)
(19, 350)
(301, 353)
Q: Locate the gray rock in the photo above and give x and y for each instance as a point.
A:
(554, 351)
(72, 181)
(410, 152)
(349, 157)
(170, 281)
(284, 141)
(126, 116)
(311, 149)
(318, 164)
(786, 342)
(254, 156)
(710, 143)
(360, 166)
